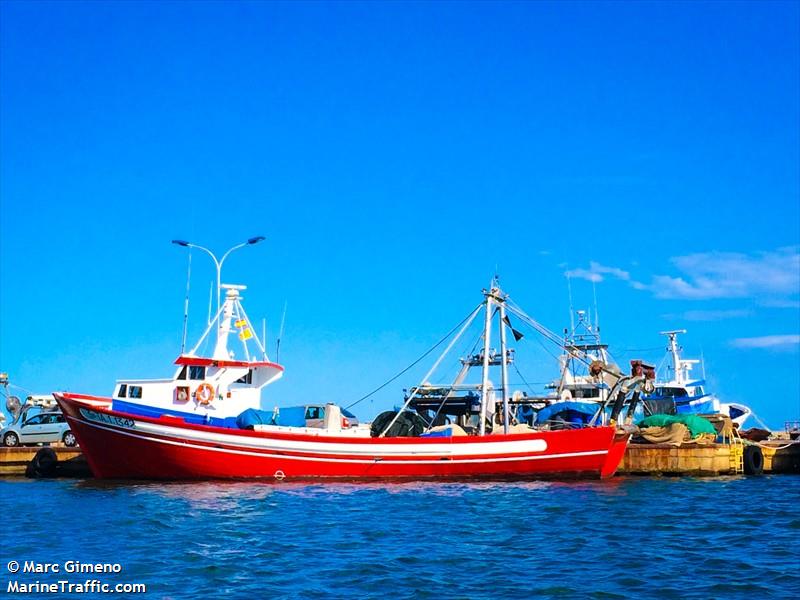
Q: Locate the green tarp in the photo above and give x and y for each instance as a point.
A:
(696, 425)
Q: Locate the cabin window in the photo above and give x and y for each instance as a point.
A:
(315, 412)
(182, 374)
(246, 378)
(135, 391)
(197, 373)
(670, 392)
(123, 389)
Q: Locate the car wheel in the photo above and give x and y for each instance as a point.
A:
(69, 439)
(11, 439)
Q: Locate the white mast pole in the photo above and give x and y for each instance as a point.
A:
(487, 331)
(673, 350)
(675, 353)
(504, 364)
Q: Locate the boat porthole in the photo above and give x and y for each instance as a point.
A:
(280, 475)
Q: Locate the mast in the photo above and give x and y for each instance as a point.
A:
(674, 351)
(504, 363)
(224, 321)
(487, 331)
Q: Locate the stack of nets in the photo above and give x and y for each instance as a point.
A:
(677, 429)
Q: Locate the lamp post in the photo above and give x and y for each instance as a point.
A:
(218, 263)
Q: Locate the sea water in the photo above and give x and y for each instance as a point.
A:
(729, 537)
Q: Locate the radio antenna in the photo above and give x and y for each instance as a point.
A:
(571, 311)
(280, 333)
(210, 297)
(264, 336)
(596, 312)
(186, 302)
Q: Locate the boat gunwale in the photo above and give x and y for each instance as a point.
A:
(106, 407)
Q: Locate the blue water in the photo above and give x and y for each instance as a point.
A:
(625, 538)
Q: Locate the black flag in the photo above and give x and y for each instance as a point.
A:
(517, 334)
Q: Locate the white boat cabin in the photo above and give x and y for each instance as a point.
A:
(214, 389)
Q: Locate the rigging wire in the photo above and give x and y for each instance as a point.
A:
(547, 333)
(516, 368)
(546, 349)
(556, 339)
(628, 350)
(409, 367)
(19, 387)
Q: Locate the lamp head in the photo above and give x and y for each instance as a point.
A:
(180, 242)
(255, 240)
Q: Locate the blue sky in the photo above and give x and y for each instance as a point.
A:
(395, 156)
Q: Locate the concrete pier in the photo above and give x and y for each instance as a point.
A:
(706, 459)
(71, 462)
(781, 457)
(687, 459)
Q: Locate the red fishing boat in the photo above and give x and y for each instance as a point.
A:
(206, 421)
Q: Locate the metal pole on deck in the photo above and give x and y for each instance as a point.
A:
(504, 372)
(487, 331)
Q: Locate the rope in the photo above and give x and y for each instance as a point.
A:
(759, 421)
(760, 445)
(412, 365)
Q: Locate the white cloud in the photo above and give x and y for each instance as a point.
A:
(596, 272)
(709, 275)
(780, 303)
(710, 315)
(768, 341)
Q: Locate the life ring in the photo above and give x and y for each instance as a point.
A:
(205, 394)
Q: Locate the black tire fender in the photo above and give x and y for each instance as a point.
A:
(44, 464)
(753, 460)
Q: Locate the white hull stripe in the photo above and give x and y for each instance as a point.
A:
(347, 460)
(445, 448)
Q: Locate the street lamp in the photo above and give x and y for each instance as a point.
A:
(218, 263)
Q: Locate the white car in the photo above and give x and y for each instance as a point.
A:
(44, 427)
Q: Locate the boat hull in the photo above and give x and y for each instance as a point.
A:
(120, 445)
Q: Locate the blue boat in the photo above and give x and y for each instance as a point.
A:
(680, 393)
